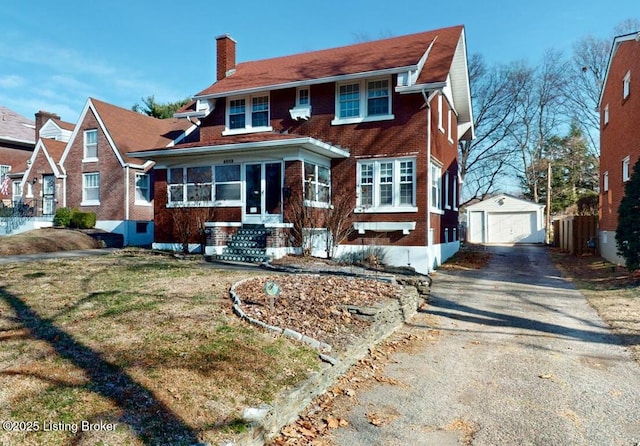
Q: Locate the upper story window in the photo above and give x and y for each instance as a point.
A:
(605, 115)
(247, 114)
(626, 85)
(143, 190)
(365, 100)
(302, 109)
(386, 185)
(302, 97)
(605, 181)
(625, 169)
(317, 184)
(90, 145)
(90, 189)
(440, 114)
(449, 127)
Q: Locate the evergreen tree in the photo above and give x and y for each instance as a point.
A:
(628, 231)
(157, 110)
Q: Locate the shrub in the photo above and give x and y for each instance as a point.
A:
(62, 217)
(82, 220)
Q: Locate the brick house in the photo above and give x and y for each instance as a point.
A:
(99, 175)
(619, 135)
(16, 147)
(42, 186)
(376, 124)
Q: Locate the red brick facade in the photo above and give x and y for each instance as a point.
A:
(620, 136)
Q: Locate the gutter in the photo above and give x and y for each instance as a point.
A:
(427, 101)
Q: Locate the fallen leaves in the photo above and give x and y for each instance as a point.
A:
(315, 305)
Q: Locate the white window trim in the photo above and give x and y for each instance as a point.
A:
(241, 182)
(455, 192)
(606, 114)
(605, 181)
(626, 174)
(85, 158)
(437, 208)
(301, 111)
(364, 116)
(248, 128)
(440, 127)
(447, 197)
(316, 183)
(449, 133)
(86, 202)
(360, 209)
(626, 85)
(147, 200)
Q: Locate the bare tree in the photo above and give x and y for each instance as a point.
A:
(485, 161)
(338, 222)
(302, 218)
(538, 117)
(189, 224)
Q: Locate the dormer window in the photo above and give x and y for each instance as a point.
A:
(302, 109)
(361, 101)
(247, 115)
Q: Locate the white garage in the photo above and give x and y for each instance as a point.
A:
(505, 219)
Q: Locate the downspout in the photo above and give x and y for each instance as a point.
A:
(126, 206)
(427, 101)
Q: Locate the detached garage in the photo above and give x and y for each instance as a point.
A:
(505, 219)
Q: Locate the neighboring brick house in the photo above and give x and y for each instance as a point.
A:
(376, 122)
(43, 185)
(16, 146)
(100, 176)
(619, 135)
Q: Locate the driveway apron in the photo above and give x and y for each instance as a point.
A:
(518, 358)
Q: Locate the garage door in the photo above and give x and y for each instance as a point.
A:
(516, 227)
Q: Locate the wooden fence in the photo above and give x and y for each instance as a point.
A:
(576, 234)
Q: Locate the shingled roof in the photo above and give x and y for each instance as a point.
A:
(16, 128)
(396, 54)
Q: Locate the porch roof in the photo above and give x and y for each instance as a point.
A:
(246, 143)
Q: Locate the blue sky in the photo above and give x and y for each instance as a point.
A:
(53, 55)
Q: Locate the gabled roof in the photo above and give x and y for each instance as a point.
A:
(16, 128)
(64, 125)
(52, 150)
(395, 54)
(129, 131)
(617, 41)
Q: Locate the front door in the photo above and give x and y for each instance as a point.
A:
(48, 194)
(263, 193)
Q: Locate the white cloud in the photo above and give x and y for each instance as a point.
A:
(11, 81)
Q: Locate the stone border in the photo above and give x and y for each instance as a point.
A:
(267, 421)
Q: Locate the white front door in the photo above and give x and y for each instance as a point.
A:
(262, 193)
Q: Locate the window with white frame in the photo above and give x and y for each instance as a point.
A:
(386, 185)
(625, 169)
(303, 97)
(436, 186)
(447, 197)
(143, 190)
(365, 100)
(317, 184)
(605, 181)
(626, 85)
(605, 117)
(90, 189)
(455, 192)
(440, 114)
(90, 145)
(17, 192)
(247, 114)
(228, 183)
(449, 133)
(190, 184)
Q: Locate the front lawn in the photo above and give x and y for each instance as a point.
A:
(136, 348)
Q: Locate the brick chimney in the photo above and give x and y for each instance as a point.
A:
(41, 118)
(225, 56)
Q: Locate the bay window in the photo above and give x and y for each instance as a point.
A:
(317, 184)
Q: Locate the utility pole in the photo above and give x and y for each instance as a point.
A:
(548, 216)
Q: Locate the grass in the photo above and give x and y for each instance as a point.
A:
(144, 341)
(45, 240)
(611, 290)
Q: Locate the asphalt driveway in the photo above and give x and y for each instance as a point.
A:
(519, 358)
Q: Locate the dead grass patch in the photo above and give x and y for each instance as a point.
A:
(613, 291)
(144, 341)
(46, 240)
(468, 257)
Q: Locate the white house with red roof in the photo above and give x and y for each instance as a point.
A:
(374, 125)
